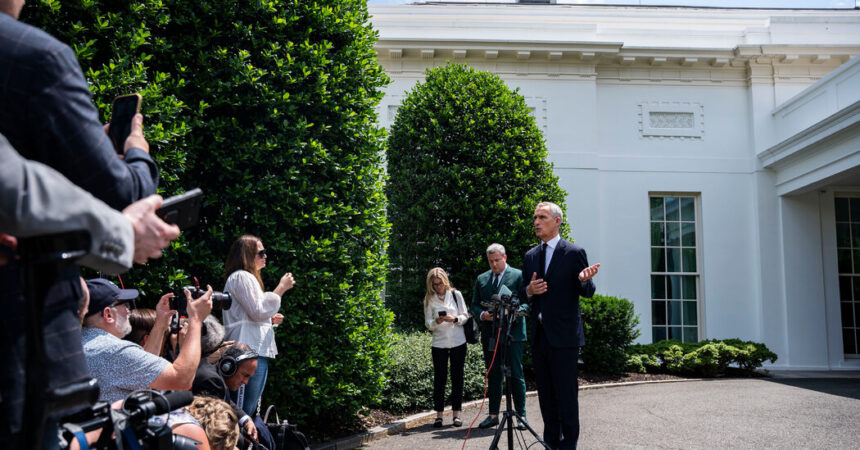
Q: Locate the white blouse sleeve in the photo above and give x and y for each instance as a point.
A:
(258, 305)
(461, 309)
(429, 318)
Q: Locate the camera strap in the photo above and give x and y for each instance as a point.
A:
(78, 434)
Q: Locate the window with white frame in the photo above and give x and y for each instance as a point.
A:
(675, 276)
(848, 256)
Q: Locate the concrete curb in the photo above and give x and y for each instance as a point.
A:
(426, 417)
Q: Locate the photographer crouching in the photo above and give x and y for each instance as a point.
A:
(122, 367)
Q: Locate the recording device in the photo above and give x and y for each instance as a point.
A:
(505, 299)
(123, 111)
(220, 300)
(139, 414)
(183, 210)
(443, 313)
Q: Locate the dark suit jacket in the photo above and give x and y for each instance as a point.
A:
(483, 292)
(208, 382)
(47, 114)
(559, 305)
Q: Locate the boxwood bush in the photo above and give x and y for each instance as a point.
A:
(467, 165)
(269, 107)
(610, 326)
(707, 358)
(409, 377)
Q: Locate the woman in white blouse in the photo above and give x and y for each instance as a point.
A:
(250, 319)
(444, 315)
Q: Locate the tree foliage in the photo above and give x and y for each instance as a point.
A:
(467, 165)
(268, 106)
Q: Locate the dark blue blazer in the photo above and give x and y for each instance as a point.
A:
(559, 305)
(47, 114)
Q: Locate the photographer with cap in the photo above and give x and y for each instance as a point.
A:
(122, 367)
(210, 380)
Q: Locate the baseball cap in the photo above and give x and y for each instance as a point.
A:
(103, 293)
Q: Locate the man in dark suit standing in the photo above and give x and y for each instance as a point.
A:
(487, 285)
(558, 273)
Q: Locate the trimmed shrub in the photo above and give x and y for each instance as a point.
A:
(467, 166)
(610, 326)
(409, 378)
(707, 358)
(269, 107)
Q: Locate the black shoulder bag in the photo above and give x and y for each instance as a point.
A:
(470, 327)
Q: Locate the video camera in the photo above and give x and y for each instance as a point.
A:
(138, 419)
(220, 300)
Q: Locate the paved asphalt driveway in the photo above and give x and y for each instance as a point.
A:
(709, 414)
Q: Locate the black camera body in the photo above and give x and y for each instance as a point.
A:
(220, 300)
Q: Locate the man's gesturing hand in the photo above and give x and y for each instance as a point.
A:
(151, 234)
(588, 272)
(536, 286)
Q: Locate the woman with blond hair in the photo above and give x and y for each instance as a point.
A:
(444, 315)
(218, 420)
(250, 319)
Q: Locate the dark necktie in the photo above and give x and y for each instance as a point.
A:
(542, 260)
(495, 283)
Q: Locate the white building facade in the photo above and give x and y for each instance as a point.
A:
(711, 156)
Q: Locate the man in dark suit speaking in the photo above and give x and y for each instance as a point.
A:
(557, 273)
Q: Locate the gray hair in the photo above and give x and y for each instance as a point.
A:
(495, 248)
(214, 335)
(554, 210)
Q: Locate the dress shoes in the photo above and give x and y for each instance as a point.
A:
(489, 422)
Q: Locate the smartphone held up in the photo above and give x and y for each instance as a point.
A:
(124, 109)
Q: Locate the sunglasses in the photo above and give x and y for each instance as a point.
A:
(261, 253)
(128, 304)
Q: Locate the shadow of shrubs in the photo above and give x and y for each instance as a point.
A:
(706, 359)
(409, 377)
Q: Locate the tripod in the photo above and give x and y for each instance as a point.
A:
(506, 319)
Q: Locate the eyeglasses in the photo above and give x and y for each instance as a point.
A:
(438, 283)
(129, 304)
(262, 253)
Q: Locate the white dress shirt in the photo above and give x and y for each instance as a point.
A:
(250, 321)
(447, 334)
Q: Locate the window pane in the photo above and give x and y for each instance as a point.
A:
(688, 209)
(856, 288)
(856, 260)
(672, 209)
(691, 335)
(843, 235)
(658, 313)
(842, 210)
(688, 257)
(673, 260)
(856, 315)
(689, 287)
(658, 259)
(673, 286)
(657, 208)
(855, 234)
(688, 234)
(845, 288)
(844, 257)
(673, 234)
(690, 316)
(658, 334)
(658, 286)
(847, 315)
(657, 236)
(674, 313)
(849, 342)
(675, 333)
(855, 209)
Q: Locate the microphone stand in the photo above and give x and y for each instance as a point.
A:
(506, 319)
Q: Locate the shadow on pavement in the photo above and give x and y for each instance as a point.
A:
(849, 388)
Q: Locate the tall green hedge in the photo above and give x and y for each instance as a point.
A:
(467, 165)
(268, 106)
(610, 326)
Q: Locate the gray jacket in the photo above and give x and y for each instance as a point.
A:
(36, 199)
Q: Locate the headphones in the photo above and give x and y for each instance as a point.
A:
(228, 365)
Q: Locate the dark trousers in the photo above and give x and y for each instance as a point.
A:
(440, 376)
(518, 381)
(558, 394)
